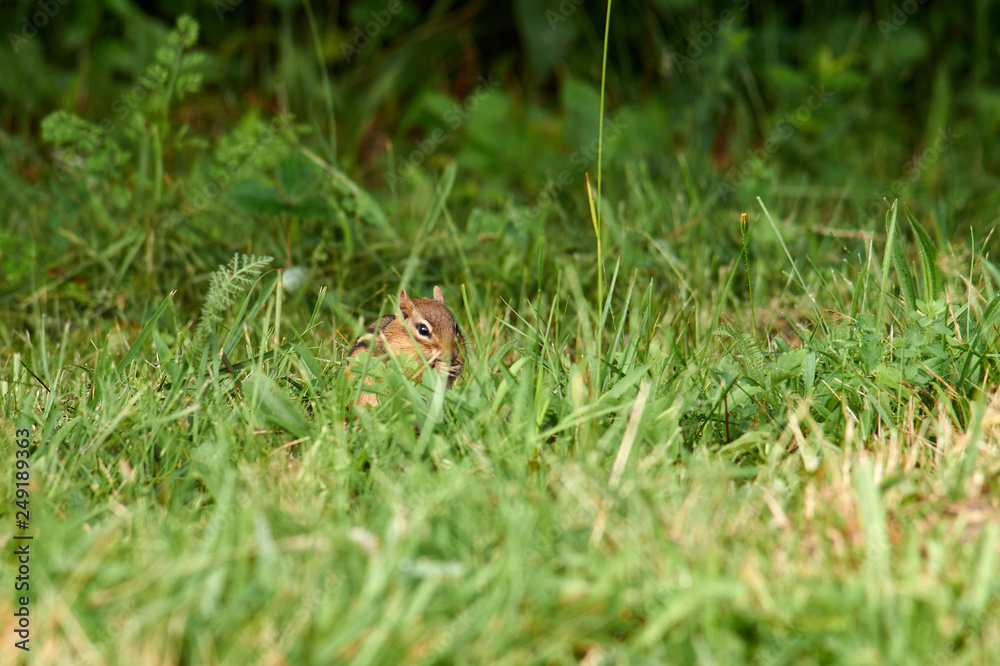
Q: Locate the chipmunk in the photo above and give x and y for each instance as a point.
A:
(424, 327)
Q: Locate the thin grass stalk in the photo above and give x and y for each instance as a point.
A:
(327, 89)
(886, 260)
(745, 233)
(597, 218)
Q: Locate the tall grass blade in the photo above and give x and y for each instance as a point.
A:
(906, 285)
(595, 218)
(985, 323)
(136, 347)
(791, 261)
(245, 315)
(886, 261)
(930, 272)
(423, 236)
(860, 289)
(317, 44)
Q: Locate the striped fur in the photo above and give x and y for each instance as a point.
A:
(424, 327)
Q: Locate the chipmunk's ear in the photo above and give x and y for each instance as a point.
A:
(438, 294)
(405, 304)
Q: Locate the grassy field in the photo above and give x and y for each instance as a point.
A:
(741, 408)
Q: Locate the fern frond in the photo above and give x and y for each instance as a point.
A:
(753, 358)
(228, 284)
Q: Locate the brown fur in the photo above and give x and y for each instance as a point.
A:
(422, 327)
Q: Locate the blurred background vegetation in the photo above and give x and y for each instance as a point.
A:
(822, 111)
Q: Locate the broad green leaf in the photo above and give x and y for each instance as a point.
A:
(254, 197)
(313, 208)
(297, 175)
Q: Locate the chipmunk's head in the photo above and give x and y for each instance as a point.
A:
(433, 328)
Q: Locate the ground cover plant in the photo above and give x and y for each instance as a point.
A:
(731, 311)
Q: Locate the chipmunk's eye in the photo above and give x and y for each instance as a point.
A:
(423, 330)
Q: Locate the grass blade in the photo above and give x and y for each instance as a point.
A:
(133, 351)
(423, 236)
(929, 269)
(890, 239)
(906, 285)
(245, 315)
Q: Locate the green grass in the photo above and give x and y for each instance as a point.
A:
(687, 508)
(770, 444)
